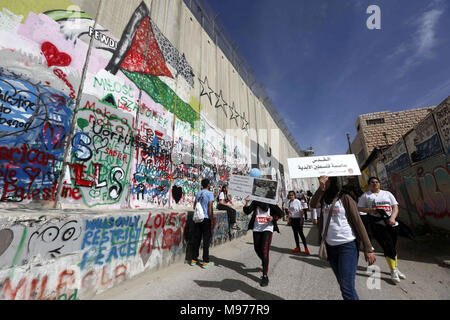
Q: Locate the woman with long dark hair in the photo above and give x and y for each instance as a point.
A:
(346, 234)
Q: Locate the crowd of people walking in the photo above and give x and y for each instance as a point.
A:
(347, 220)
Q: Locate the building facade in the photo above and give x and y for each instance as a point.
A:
(381, 129)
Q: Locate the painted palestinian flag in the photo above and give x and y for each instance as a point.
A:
(140, 57)
(144, 55)
(137, 50)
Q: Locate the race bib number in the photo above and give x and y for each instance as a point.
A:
(262, 219)
(386, 208)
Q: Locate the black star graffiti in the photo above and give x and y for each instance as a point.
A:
(206, 89)
(247, 124)
(244, 121)
(220, 103)
(234, 113)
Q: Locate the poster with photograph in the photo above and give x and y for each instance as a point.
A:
(442, 117)
(423, 141)
(332, 166)
(263, 190)
(396, 157)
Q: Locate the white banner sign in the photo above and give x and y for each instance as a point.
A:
(263, 190)
(332, 166)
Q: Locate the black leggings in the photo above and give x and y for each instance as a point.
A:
(386, 236)
(230, 212)
(202, 230)
(305, 212)
(297, 228)
(261, 243)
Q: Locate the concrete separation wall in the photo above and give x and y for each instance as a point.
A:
(122, 104)
(108, 106)
(67, 254)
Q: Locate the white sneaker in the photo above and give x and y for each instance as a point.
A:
(400, 275)
(394, 276)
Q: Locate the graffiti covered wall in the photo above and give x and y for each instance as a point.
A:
(108, 105)
(74, 256)
(114, 104)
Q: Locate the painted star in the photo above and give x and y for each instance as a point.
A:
(206, 89)
(244, 121)
(234, 113)
(220, 103)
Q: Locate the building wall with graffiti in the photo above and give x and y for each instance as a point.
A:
(74, 256)
(122, 104)
(416, 169)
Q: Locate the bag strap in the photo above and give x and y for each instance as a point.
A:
(330, 212)
(200, 199)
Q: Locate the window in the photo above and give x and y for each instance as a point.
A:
(375, 121)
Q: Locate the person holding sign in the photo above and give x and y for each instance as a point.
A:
(345, 233)
(264, 223)
(382, 208)
(296, 216)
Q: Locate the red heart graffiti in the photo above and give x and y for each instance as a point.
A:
(53, 56)
(32, 172)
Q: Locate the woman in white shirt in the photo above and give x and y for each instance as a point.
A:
(346, 234)
(383, 226)
(295, 212)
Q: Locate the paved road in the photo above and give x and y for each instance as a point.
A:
(292, 276)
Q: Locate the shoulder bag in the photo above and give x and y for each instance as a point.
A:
(199, 215)
(323, 248)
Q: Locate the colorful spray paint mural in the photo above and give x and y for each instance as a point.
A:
(132, 136)
(95, 119)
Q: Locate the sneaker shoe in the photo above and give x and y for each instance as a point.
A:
(264, 281)
(206, 265)
(307, 251)
(400, 275)
(235, 227)
(193, 263)
(394, 276)
(296, 250)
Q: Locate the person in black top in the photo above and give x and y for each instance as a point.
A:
(264, 223)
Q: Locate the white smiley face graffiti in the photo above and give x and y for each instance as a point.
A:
(54, 240)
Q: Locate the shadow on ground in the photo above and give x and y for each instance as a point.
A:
(239, 267)
(233, 285)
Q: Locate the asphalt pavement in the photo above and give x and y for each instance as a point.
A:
(293, 276)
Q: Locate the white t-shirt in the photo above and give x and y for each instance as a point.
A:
(381, 200)
(315, 213)
(222, 196)
(304, 204)
(339, 230)
(261, 223)
(294, 208)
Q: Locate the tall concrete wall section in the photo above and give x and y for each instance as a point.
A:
(106, 107)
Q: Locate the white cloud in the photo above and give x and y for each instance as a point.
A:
(423, 42)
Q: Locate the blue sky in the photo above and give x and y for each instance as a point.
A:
(323, 67)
